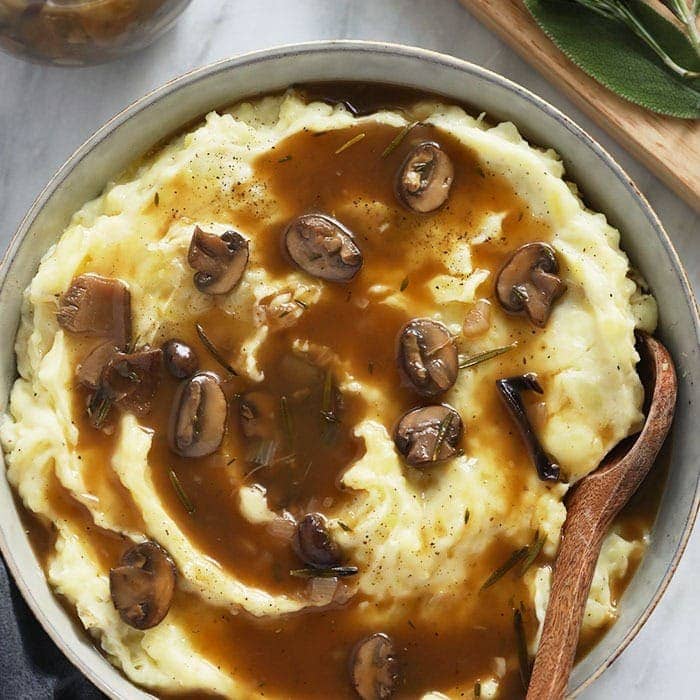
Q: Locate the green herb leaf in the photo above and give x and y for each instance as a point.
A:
(344, 526)
(523, 656)
(398, 139)
(445, 425)
(287, 423)
(330, 572)
(533, 552)
(466, 516)
(184, 499)
(214, 351)
(351, 142)
(616, 57)
(98, 408)
(466, 362)
(404, 284)
(514, 559)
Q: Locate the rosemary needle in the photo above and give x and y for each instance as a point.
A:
(504, 568)
(523, 656)
(214, 352)
(398, 139)
(184, 499)
(351, 142)
(532, 552)
(466, 362)
(330, 572)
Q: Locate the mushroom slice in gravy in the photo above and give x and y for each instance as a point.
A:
(218, 260)
(198, 417)
(179, 358)
(529, 283)
(130, 380)
(510, 390)
(323, 247)
(428, 434)
(97, 306)
(428, 356)
(314, 544)
(374, 668)
(424, 180)
(143, 584)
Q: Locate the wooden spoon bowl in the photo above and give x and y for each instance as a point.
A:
(591, 508)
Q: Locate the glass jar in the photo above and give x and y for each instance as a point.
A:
(80, 32)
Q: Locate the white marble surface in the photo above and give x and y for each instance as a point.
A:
(45, 113)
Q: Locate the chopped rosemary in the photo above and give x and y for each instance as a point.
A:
(98, 408)
(532, 552)
(330, 572)
(327, 400)
(466, 362)
(445, 425)
(287, 422)
(466, 516)
(477, 689)
(351, 142)
(264, 453)
(504, 568)
(404, 284)
(284, 159)
(156, 199)
(213, 351)
(393, 145)
(344, 526)
(301, 303)
(523, 656)
(186, 503)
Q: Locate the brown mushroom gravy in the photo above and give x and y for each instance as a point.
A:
(295, 436)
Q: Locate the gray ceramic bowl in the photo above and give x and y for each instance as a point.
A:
(605, 187)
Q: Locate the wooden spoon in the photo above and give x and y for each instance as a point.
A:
(594, 503)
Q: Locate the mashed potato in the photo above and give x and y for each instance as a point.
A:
(407, 532)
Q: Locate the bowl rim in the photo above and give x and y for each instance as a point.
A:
(250, 58)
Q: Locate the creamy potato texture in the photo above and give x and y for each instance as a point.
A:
(424, 540)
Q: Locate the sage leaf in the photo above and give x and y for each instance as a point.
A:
(613, 55)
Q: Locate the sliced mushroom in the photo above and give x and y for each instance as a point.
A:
(143, 584)
(198, 417)
(130, 380)
(424, 180)
(314, 544)
(528, 283)
(97, 306)
(218, 260)
(428, 356)
(90, 370)
(257, 412)
(179, 359)
(428, 434)
(510, 390)
(323, 247)
(374, 668)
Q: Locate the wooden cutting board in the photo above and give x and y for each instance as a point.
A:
(669, 147)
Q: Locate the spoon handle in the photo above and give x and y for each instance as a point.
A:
(571, 581)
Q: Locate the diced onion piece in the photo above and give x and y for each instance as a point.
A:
(478, 319)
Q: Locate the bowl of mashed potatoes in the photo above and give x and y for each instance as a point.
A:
(311, 345)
